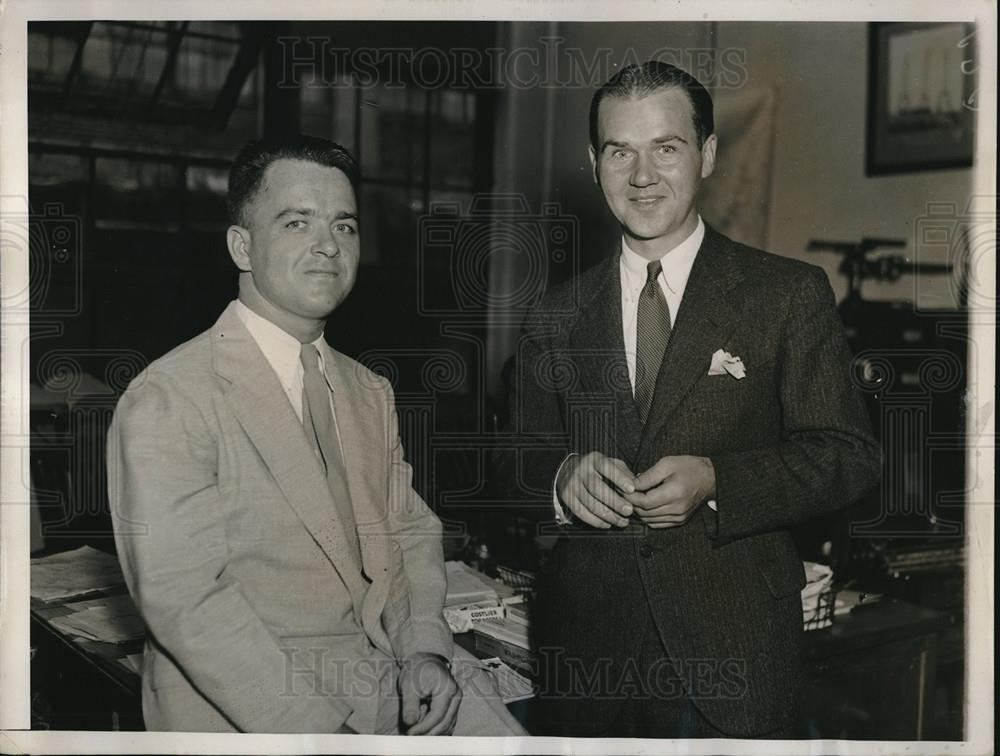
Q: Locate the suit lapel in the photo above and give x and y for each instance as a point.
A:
(357, 401)
(598, 351)
(705, 320)
(258, 402)
(356, 405)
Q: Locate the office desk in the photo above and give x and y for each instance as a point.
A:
(870, 675)
(83, 683)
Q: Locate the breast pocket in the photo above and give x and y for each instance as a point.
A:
(727, 396)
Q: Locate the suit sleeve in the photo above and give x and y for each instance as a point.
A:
(536, 439)
(826, 457)
(162, 457)
(418, 531)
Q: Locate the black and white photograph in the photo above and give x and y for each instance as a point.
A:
(469, 378)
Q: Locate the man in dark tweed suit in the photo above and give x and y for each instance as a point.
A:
(679, 407)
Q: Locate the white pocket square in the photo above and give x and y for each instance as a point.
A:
(723, 362)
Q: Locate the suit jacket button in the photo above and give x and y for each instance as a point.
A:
(646, 550)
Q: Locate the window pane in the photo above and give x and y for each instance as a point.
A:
(49, 58)
(392, 128)
(120, 61)
(205, 200)
(202, 67)
(345, 104)
(243, 121)
(137, 194)
(54, 169)
(453, 156)
(230, 29)
(314, 101)
(328, 108)
(388, 225)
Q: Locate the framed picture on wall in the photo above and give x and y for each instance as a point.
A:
(921, 97)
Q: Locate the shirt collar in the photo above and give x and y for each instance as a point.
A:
(279, 347)
(676, 263)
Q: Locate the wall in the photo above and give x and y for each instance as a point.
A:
(819, 189)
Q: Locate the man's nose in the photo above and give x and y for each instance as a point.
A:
(325, 242)
(644, 173)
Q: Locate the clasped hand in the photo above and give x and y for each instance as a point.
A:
(603, 492)
(429, 695)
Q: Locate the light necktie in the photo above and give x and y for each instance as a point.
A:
(652, 334)
(317, 418)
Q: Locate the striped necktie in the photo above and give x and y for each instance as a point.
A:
(652, 334)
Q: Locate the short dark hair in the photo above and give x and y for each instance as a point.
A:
(247, 172)
(639, 80)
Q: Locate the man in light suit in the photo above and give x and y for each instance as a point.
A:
(290, 577)
(679, 407)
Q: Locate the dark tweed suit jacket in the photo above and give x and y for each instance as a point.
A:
(789, 441)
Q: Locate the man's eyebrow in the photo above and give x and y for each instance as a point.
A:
(294, 211)
(309, 212)
(657, 140)
(612, 143)
(670, 138)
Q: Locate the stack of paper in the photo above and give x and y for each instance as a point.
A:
(506, 639)
(848, 599)
(74, 573)
(816, 596)
(512, 685)
(513, 633)
(109, 620)
(466, 586)
(517, 615)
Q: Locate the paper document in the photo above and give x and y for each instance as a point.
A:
(513, 633)
(466, 586)
(132, 662)
(513, 686)
(816, 613)
(109, 620)
(74, 573)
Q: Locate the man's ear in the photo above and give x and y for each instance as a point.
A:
(238, 242)
(593, 164)
(708, 156)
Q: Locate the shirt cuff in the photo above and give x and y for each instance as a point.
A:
(561, 517)
(713, 505)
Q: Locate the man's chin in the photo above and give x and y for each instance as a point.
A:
(321, 310)
(644, 232)
(321, 303)
(639, 233)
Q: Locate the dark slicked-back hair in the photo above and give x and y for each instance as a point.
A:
(653, 75)
(247, 172)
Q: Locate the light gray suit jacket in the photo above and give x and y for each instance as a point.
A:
(259, 619)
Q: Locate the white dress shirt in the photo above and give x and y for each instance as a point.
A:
(282, 350)
(673, 278)
(675, 271)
